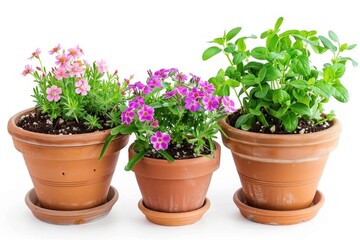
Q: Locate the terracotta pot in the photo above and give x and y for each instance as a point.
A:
(65, 169)
(175, 187)
(280, 171)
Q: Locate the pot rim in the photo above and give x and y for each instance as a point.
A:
(83, 139)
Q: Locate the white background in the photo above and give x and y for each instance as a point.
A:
(134, 36)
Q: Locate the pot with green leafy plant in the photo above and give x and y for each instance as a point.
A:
(280, 137)
(77, 104)
(175, 120)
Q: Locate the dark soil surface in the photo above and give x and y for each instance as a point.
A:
(177, 151)
(41, 123)
(303, 127)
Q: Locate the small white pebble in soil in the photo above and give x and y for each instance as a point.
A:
(177, 153)
(178, 145)
(61, 121)
(49, 122)
(258, 123)
(35, 123)
(194, 154)
(22, 117)
(302, 131)
(32, 114)
(75, 129)
(273, 129)
(70, 133)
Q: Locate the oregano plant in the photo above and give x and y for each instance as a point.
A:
(279, 81)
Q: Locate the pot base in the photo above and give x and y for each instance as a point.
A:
(174, 219)
(274, 217)
(70, 217)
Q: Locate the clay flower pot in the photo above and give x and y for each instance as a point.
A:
(280, 172)
(65, 169)
(175, 193)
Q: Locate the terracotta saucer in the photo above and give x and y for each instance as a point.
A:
(274, 217)
(70, 217)
(174, 219)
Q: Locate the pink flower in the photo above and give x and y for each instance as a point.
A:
(61, 73)
(53, 93)
(75, 52)
(101, 65)
(170, 94)
(154, 123)
(160, 140)
(162, 73)
(229, 104)
(35, 54)
(195, 93)
(137, 102)
(82, 86)
(27, 70)
(182, 90)
(194, 78)
(62, 60)
(147, 90)
(76, 70)
(154, 82)
(181, 77)
(146, 113)
(127, 115)
(207, 87)
(55, 49)
(192, 104)
(210, 102)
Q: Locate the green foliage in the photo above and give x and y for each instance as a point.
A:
(278, 77)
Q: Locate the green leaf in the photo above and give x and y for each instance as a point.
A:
(166, 155)
(210, 52)
(264, 34)
(351, 46)
(272, 74)
(116, 130)
(306, 40)
(280, 96)
(134, 160)
(333, 36)
(272, 42)
(106, 144)
(322, 89)
(339, 70)
(262, 73)
(241, 44)
(301, 109)
(301, 65)
(290, 121)
(262, 93)
(278, 23)
(273, 56)
(242, 120)
(253, 66)
(328, 44)
(230, 48)
(279, 113)
(259, 53)
(248, 80)
(156, 105)
(219, 41)
(232, 83)
(329, 74)
(255, 112)
(340, 93)
(233, 32)
(128, 130)
(299, 83)
(239, 58)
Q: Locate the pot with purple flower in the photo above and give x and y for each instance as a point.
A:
(77, 104)
(174, 117)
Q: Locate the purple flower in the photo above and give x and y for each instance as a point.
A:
(229, 104)
(192, 104)
(137, 102)
(195, 93)
(139, 85)
(173, 70)
(147, 90)
(207, 87)
(194, 78)
(162, 73)
(154, 123)
(181, 77)
(170, 94)
(127, 115)
(146, 113)
(160, 140)
(154, 82)
(182, 90)
(210, 102)
(53, 93)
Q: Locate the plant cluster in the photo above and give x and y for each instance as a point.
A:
(172, 107)
(278, 79)
(74, 89)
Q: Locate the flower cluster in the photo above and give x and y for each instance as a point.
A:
(74, 89)
(172, 107)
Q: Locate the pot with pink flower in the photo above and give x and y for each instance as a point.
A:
(175, 120)
(77, 105)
